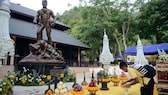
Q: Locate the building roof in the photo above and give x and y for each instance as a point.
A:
(21, 24)
(27, 29)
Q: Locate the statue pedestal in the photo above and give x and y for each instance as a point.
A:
(43, 57)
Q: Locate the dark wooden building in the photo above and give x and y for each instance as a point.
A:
(23, 32)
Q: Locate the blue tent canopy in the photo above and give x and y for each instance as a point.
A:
(118, 57)
(149, 49)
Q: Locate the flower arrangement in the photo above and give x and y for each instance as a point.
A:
(68, 77)
(103, 77)
(103, 74)
(27, 78)
(77, 90)
(115, 79)
(92, 87)
(163, 56)
(5, 87)
(123, 76)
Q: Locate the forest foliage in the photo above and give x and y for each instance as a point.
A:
(122, 20)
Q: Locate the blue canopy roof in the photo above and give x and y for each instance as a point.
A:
(149, 49)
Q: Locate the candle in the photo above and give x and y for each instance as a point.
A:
(93, 71)
(114, 68)
(107, 69)
(84, 72)
(74, 73)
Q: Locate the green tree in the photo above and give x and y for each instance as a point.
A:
(153, 20)
(88, 22)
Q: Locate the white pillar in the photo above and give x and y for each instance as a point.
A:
(6, 43)
(4, 19)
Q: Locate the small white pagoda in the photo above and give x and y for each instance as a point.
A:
(106, 57)
(140, 57)
(6, 43)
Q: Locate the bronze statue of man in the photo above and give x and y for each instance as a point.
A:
(46, 19)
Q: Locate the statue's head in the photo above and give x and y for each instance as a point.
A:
(44, 3)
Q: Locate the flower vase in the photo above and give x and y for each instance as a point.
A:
(104, 86)
(126, 91)
(92, 92)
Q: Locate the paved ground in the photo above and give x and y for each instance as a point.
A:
(39, 90)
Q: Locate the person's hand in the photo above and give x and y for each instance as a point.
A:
(123, 83)
(127, 85)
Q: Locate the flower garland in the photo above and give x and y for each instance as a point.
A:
(115, 80)
(77, 92)
(92, 88)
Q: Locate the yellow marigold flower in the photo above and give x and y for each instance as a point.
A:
(123, 78)
(61, 75)
(49, 92)
(106, 80)
(49, 77)
(78, 92)
(41, 83)
(23, 81)
(92, 88)
(115, 80)
(12, 77)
